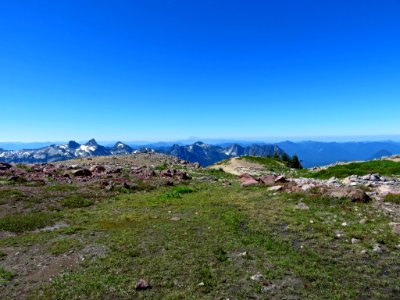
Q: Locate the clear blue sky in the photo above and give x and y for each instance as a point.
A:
(164, 70)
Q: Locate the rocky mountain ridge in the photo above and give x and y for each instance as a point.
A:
(200, 152)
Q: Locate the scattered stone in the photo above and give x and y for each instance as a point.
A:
(344, 224)
(355, 241)
(142, 285)
(175, 219)
(201, 284)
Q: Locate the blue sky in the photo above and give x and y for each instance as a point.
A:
(165, 70)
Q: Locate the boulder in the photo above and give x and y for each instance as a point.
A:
(82, 173)
(355, 195)
(247, 180)
(267, 180)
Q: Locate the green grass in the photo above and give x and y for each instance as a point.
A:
(161, 167)
(63, 245)
(197, 257)
(5, 276)
(26, 221)
(188, 242)
(393, 198)
(177, 192)
(383, 167)
(76, 201)
(60, 188)
(12, 194)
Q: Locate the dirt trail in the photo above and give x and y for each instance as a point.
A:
(238, 166)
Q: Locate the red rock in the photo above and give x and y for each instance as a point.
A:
(142, 285)
(247, 180)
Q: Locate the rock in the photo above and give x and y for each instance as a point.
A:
(82, 173)
(115, 171)
(332, 180)
(126, 186)
(97, 169)
(175, 219)
(256, 277)
(307, 187)
(377, 248)
(5, 166)
(302, 206)
(243, 254)
(366, 177)
(142, 285)
(247, 180)
(166, 173)
(267, 180)
(280, 179)
(347, 181)
(17, 179)
(358, 196)
(395, 227)
(275, 188)
(181, 175)
(355, 241)
(355, 195)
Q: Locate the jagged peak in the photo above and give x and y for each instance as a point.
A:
(73, 145)
(92, 142)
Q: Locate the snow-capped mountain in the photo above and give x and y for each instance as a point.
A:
(62, 152)
(120, 148)
(200, 152)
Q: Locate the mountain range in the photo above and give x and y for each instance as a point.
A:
(200, 152)
(311, 153)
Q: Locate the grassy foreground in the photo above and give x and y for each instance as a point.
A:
(210, 241)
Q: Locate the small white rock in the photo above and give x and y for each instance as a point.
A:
(344, 224)
(256, 277)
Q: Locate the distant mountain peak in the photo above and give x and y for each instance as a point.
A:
(92, 142)
(73, 145)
